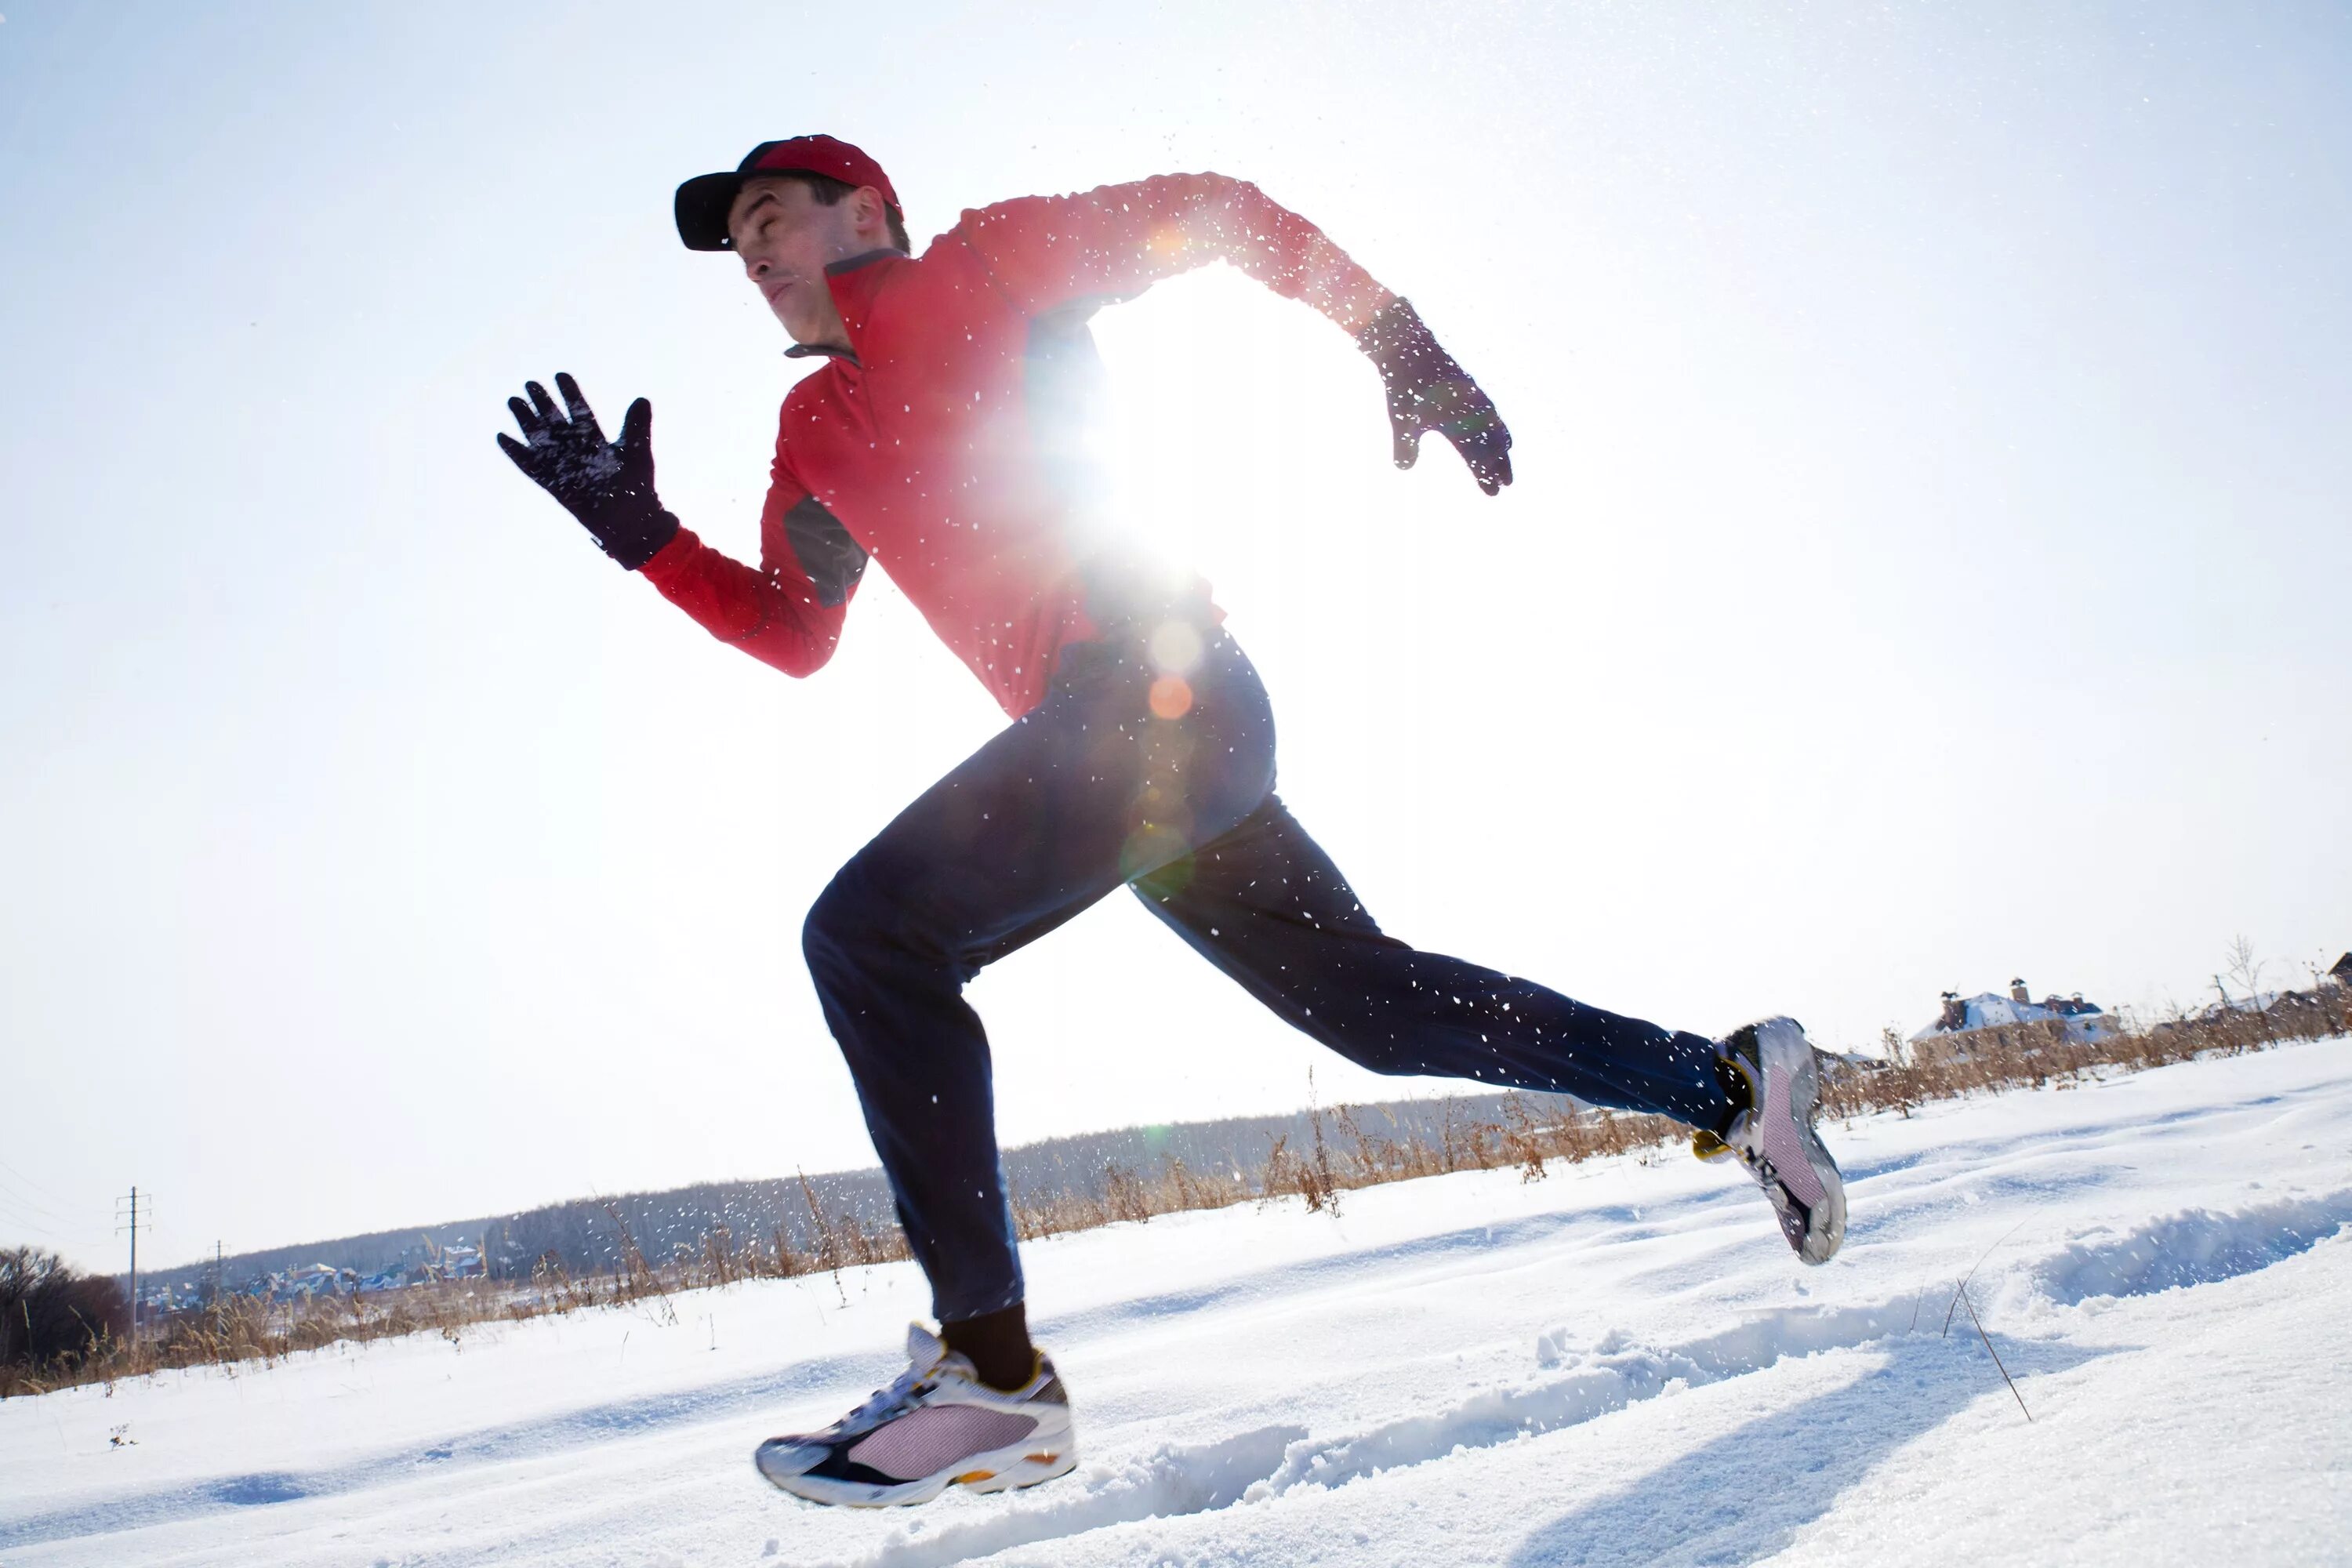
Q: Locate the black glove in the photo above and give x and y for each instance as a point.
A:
(609, 487)
(1427, 391)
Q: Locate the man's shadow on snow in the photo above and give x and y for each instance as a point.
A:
(1745, 1495)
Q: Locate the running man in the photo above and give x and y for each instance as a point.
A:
(1142, 747)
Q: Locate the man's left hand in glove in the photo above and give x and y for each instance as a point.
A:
(1428, 391)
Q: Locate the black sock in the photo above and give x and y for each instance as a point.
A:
(997, 1345)
(1736, 1089)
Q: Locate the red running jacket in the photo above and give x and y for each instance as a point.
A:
(928, 446)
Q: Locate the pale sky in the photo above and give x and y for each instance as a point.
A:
(1929, 562)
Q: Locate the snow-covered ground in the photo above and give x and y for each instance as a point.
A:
(1621, 1363)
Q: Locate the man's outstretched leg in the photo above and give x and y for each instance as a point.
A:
(1264, 904)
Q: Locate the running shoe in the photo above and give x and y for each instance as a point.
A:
(1774, 1136)
(936, 1426)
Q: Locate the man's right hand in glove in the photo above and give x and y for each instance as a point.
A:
(608, 486)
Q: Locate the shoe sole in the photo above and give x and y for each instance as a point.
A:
(1781, 1044)
(1005, 1469)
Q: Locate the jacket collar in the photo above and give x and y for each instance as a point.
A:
(854, 281)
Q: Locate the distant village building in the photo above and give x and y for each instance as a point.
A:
(162, 1297)
(2341, 975)
(308, 1280)
(2016, 1018)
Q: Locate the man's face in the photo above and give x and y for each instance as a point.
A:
(787, 238)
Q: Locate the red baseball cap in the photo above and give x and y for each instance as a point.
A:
(704, 200)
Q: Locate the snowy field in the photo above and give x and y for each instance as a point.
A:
(1621, 1363)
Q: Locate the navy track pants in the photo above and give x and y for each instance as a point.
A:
(1095, 788)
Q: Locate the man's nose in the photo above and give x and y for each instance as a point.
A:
(757, 266)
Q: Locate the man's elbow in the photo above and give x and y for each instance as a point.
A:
(798, 656)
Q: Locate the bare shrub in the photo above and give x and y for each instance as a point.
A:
(54, 1321)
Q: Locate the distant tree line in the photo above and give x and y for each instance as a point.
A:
(582, 1236)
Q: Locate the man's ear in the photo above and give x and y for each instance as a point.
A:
(872, 212)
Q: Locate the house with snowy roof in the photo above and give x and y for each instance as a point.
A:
(2054, 1016)
(2341, 972)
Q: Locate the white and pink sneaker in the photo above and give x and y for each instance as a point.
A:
(1774, 1138)
(936, 1426)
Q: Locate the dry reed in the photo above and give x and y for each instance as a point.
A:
(240, 1331)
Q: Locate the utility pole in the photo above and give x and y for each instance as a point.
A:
(132, 1226)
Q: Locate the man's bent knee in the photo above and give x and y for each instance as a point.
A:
(848, 918)
(868, 920)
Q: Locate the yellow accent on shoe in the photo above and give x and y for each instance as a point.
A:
(1707, 1146)
(970, 1475)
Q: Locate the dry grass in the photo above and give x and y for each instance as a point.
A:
(2039, 1056)
(1342, 1153)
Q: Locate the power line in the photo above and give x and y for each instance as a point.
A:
(20, 1208)
(10, 1210)
(25, 1199)
(80, 1241)
(39, 1221)
(38, 1186)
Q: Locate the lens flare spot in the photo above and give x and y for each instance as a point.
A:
(1172, 697)
(1176, 648)
(1156, 853)
(1153, 847)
